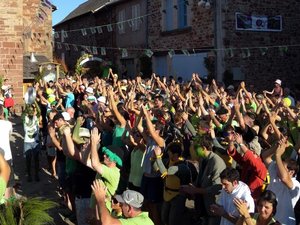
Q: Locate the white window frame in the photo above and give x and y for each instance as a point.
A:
(136, 12)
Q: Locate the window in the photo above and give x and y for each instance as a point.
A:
(182, 13)
(175, 14)
(121, 18)
(136, 12)
(169, 15)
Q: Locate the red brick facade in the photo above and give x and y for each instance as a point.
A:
(17, 17)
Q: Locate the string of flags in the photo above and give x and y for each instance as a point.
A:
(134, 23)
(229, 52)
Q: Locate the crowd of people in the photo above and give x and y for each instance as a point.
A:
(165, 152)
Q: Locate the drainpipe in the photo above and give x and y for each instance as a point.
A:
(219, 40)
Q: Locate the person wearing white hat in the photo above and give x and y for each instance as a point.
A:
(277, 91)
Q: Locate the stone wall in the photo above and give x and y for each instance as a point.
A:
(263, 70)
(198, 34)
(105, 39)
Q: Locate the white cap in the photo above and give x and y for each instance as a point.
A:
(66, 116)
(278, 82)
(230, 87)
(89, 90)
(102, 99)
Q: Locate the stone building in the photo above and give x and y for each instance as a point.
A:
(104, 29)
(26, 27)
(267, 49)
(256, 41)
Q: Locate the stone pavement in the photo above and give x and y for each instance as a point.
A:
(46, 187)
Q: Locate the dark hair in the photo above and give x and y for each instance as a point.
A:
(292, 165)
(159, 97)
(230, 174)
(270, 197)
(58, 116)
(175, 148)
(205, 141)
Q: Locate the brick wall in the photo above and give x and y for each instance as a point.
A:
(15, 18)
(258, 69)
(11, 45)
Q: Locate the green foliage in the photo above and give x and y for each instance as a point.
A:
(78, 67)
(1, 81)
(27, 212)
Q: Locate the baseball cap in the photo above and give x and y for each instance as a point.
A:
(66, 116)
(132, 198)
(89, 90)
(102, 99)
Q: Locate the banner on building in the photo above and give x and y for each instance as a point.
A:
(258, 23)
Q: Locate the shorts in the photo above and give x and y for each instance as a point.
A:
(152, 189)
(34, 146)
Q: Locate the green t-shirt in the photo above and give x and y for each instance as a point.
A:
(136, 169)
(117, 136)
(2, 190)
(142, 218)
(110, 178)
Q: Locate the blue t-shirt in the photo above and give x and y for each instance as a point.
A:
(70, 99)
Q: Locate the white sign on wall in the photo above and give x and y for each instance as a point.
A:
(258, 23)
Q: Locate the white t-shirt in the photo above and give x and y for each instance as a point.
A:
(31, 128)
(242, 191)
(5, 131)
(287, 198)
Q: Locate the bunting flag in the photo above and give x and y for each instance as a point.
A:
(93, 30)
(246, 53)
(67, 47)
(148, 53)
(171, 53)
(263, 51)
(64, 34)
(103, 51)
(283, 50)
(130, 23)
(121, 26)
(56, 35)
(229, 52)
(95, 51)
(124, 53)
(83, 31)
(99, 29)
(59, 45)
(185, 52)
(109, 28)
(88, 49)
(75, 48)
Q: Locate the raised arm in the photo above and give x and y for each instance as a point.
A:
(283, 173)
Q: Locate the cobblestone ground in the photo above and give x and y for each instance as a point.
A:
(46, 187)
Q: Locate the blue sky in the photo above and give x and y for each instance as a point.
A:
(64, 7)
